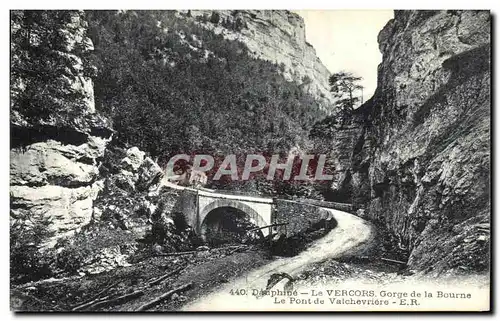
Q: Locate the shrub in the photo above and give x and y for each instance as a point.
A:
(41, 66)
(27, 262)
(72, 258)
(79, 249)
(215, 18)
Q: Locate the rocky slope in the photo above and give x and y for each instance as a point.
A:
(416, 157)
(54, 161)
(277, 36)
(61, 175)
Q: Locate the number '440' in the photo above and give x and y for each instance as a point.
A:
(238, 292)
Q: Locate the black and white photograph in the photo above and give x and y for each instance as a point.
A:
(250, 160)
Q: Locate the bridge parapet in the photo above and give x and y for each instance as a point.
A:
(241, 198)
(345, 207)
(300, 216)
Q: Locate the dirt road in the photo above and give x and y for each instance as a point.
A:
(350, 234)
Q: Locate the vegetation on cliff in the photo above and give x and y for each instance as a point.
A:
(44, 60)
(172, 86)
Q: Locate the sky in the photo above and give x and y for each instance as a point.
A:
(347, 40)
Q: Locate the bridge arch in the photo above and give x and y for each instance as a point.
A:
(255, 217)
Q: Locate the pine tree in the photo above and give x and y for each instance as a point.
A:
(344, 86)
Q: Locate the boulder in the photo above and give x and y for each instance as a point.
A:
(149, 174)
(107, 259)
(133, 160)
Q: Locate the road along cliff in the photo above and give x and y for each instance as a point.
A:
(350, 234)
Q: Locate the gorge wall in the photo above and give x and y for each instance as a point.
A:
(416, 157)
(54, 158)
(277, 36)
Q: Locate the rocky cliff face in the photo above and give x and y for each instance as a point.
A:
(418, 159)
(54, 161)
(277, 36)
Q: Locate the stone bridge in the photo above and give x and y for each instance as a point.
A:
(200, 207)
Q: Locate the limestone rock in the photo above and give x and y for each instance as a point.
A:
(134, 159)
(417, 155)
(51, 162)
(278, 36)
(67, 208)
(107, 259)
(55, 160)
(150, 174)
